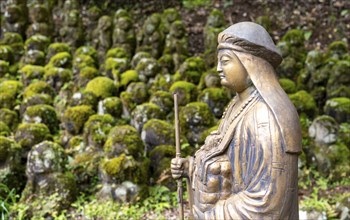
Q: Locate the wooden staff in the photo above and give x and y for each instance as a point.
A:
(178, 155)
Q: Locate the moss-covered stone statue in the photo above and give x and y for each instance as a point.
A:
(47, 178)
(40, 21)
(102, 36)
(151, 38)
(248, 167)
(11, 169)
(72, 30)
(123, 34)
(14, 19)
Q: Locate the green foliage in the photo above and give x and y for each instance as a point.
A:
(7, 200)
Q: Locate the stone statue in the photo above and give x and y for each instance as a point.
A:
(247, 168)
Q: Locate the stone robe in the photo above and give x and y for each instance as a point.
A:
(243, 170)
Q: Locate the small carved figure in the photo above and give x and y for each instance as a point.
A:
(247, 168)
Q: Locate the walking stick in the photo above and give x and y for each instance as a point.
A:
(178, 155)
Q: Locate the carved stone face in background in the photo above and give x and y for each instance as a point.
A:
(232, 73)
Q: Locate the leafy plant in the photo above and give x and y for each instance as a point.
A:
(7, 201)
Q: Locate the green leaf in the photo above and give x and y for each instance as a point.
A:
(307, 35)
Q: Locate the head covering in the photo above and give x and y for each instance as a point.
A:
(253, 39)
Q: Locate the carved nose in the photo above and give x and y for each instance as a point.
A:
(218, 68)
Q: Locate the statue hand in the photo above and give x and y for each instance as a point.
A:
(179, 167)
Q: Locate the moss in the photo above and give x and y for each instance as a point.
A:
(62, 59)
(192, 69)
(128, 103)
(7, 148)
(144, 112)
(338, 108)
(114, 166)
(294, 37)
(31, 72)
(11, 38)
(163, 99)
(56, 48)
(216, 99)
(39, 87)
(4, 68)
(123, 139)
(75, 117)
(337, 49)
(37, 42)
(102, 87)
(4, 129)
(147, 68)
(167, 64)
(9, 117)
(86, 50)
(139, 56)
(97, 128)
(30, 134)
(11, 87)
(200, 110)
(57, 77)
(157, 132)
(287, 85)
(264, 21)
(82, 61)
(42, 113)
(139, 92)
(7, 100)
(304, 102)
(112, 106)
(314, 59)
(186, 91)
(117, 52)
(127, 77)
(6, 54)
(117, 65)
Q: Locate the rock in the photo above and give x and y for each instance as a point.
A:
(102, 36)
(338, 108)
(128, 77)
(304, 103)
(57, 77)
(216, 99)
(147, 68)
(337, 50)
(62, 59)
(157, 132)
(191, 70)
(85, 75)
(144, 112)
(72, 32)
(10, 118)
(186, 92)
(75, 117)
(37, 42)
(138, 91)
(123, 139)
(288, 85)
(29, 134)
(30, 73)
(195, 117)
(96, 130)
(56, 48)
(324, 130)
(84, 98)
(38, 87)
(160, 158)
(42, 113)
(164, 100)
(339, 81)
(112, 106)
(102, 87)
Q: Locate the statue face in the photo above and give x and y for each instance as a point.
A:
(232, 73)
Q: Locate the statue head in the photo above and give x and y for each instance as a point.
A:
(251, 56)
